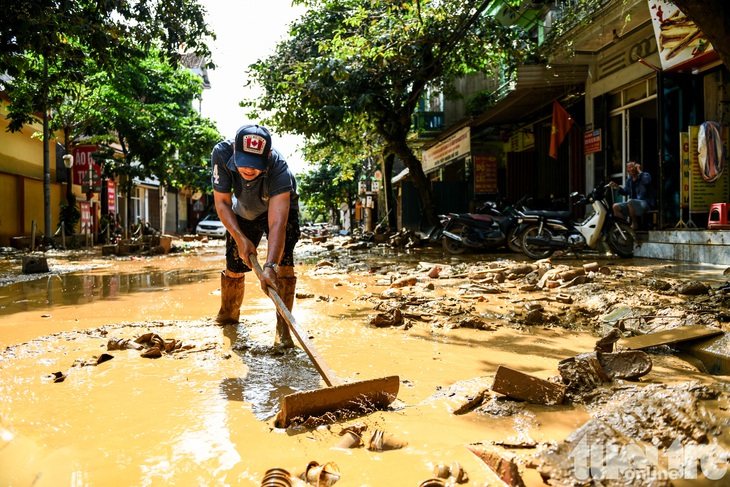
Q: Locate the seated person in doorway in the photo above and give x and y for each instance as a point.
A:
(640, 194)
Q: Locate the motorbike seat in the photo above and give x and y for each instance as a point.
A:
(480, 217)
(561, 215)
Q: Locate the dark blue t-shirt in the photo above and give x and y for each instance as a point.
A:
(640, 189)
(251, 198)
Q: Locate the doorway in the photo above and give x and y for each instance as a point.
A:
(633, 130)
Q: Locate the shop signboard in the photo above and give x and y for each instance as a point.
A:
(703, 193)
(86, 172)
(455, 147)
(485, 174)
(111, 197)
(680, 42)
(592, 142)
(85, 209)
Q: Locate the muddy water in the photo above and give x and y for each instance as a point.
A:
(204, 415)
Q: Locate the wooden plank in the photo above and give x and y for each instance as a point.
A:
(525, 387)
(669, 337)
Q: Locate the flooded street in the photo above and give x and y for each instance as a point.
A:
(202, 413)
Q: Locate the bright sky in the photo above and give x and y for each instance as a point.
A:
(247, 30)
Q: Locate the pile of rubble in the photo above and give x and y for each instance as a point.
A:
(634, 318)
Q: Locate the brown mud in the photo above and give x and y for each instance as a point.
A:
(202, 413)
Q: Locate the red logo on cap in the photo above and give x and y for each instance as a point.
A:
(254, 144)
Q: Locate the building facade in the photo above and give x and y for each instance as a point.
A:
(632, 92)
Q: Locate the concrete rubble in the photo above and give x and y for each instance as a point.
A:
(627, 413)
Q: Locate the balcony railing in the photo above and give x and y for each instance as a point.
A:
(428, 124)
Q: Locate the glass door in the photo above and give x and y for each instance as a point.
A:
(617, 143)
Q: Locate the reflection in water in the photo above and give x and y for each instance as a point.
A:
(82, 288)
(270, 377)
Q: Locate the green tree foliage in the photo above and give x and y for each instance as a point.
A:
(44, 43)
(151, 121)
(352, 72)
(324, 187)
(73, 106)
(106, 30)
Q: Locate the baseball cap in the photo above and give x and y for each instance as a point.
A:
(252, 146)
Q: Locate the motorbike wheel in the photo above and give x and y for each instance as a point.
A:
(533, 250)
(621, 239)
(452, 246)
(514, 240)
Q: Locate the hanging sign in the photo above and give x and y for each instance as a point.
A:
(592, 142)
(485, 174)
(85, 208)
(86, 172)
(681, 44)
(704, 193)
(456, 146)
(111, 197)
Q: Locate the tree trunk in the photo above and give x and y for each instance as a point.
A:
(390, 202)
(713, 19)
(46, 159)
(420, 181)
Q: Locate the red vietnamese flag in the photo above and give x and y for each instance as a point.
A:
(562, 122)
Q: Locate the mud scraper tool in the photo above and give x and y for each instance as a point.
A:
(360, 397)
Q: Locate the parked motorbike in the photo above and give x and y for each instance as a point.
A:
(542, 233)
(490, 228)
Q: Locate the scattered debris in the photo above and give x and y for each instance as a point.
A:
(34, 264)
(626, 364)
(320, 475)
(454, 473)
(383, 441)
(524, 387)
(351, 437)
(93, 361)
(392, 317)
(669, 337)
(605, 344)
(582, 373)
(156, 345)
(502, 462)
(569, 462)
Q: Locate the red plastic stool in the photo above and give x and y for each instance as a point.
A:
(718, 217)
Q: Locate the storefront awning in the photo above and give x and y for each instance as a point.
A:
(400, 176)
(535, 88)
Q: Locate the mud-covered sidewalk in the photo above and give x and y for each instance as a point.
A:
(563, 372)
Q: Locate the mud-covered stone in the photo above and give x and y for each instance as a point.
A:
(525, 387)
(662, 414)
(476, 322)
(626, 364)
(503, 463)
(693, 288)
(582, 373)
(392, 317)
(605, 343)
(581, 460)
(534, 317)
(34, 264)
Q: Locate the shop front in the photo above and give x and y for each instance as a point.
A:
(647, 100)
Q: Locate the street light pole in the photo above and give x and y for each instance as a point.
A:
(68, 161)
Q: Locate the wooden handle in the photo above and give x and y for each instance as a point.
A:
(301, 335)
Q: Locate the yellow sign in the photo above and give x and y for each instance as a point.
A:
(684, 170)
(702, 193)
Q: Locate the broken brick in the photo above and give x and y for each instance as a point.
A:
(525, 387)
